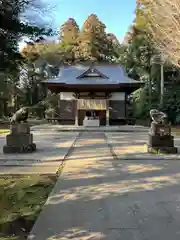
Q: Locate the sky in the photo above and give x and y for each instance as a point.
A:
(117, 15)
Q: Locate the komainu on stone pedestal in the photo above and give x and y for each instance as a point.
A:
(20, 140)
(160, 139)
(20, 115)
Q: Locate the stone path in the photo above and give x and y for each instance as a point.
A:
(52, 148)
(121, 128)
(131, 146)
(99, 197)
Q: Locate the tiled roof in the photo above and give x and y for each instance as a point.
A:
(115, 75)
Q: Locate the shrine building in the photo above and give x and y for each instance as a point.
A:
(92, 95)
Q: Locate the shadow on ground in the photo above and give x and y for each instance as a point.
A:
(103, 198)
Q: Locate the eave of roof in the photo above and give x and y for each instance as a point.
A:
(101, 88)
(116, 75)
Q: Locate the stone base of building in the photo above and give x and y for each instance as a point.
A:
(161, 144)
(20, 140)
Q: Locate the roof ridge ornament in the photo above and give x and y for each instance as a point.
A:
(92, 67)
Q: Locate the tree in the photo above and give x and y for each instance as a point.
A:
(11, 30)
(164, 24)
(113, 38)
(51, 52)
(116, 49)
(143, 14)
(138, 54)
(139, 50)
(69, 31)
(15, 24)
(136, 59)
(93, 43)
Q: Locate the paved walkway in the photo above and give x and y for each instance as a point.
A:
(99, 197)
(52, 148)
(53, 145)
(132, 146)
(121, 128)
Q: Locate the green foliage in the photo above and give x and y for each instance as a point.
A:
(11, 30)
(51, 105)
(91, 43)
(34, 91)
(52, 100)
(137, 61)
(177, 120)
(140, 103)
(172, 102)
(138, 55)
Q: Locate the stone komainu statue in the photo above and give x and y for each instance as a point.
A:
(20, 115)
(20, 139)
(158, 117)
(160, 124)
(160, 139)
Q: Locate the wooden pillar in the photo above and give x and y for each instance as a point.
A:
(107, 112)
(76, 114)
(125, 103)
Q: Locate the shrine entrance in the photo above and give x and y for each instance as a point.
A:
(93, 114)
(93, 111)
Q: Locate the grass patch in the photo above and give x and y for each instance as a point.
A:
(21, 200)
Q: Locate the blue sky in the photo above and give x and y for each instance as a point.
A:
(117, 15)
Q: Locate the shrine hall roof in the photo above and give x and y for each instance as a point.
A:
(98, 74)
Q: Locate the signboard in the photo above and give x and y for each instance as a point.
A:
(88, 104)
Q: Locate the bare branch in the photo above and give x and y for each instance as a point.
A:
(164, 26)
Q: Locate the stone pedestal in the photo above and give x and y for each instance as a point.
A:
(20, 140)
(160, 129)
(161, 144)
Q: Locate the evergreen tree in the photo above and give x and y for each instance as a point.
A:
(68, 40)
(69, 31)
(93, 43)
(113, 38)
(11, 30)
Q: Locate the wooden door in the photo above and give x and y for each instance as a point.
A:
(102, 117)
